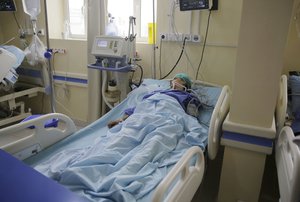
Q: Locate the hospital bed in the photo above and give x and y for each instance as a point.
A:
(12, 110)
(287, 149)
(287, 156)
(177, 175)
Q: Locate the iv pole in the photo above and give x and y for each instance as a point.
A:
(52, 99)
(154, 43)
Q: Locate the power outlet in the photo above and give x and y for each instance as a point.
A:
(40, 32)
(180, 37)
(59, 50)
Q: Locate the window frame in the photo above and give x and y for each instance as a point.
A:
(137, 14)
(67, 25)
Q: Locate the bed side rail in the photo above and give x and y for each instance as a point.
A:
(287, 157)
(23, 142)
(215, 127)
(183, 180)
(281, 106)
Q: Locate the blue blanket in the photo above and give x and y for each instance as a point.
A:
(133, 157)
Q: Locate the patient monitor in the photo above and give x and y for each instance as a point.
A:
(8, 75)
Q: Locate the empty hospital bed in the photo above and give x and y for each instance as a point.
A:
(287, 149)
(171, 171)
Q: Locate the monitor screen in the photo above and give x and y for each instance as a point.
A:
(186, 5)
(102, 43)
(7, 5)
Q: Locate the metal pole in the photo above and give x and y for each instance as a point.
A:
(154, 44)
(52, 92)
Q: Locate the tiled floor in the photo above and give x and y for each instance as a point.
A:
(208, 190)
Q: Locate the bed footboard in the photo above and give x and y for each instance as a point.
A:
(23, 142)
(183, 180)
(288, 165)
(215, 127)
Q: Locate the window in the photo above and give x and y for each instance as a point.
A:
(141, 9)
(75, 24)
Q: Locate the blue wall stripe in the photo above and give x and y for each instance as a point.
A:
(70, 79)
(38, 74)
(248, 139)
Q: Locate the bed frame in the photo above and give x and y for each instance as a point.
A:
(23, 142)
(287, 150)
(287, 155)
(282, 102)
(182, 181)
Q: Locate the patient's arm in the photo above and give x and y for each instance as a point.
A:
(115, 122)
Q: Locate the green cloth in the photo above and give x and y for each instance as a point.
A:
(185, 78)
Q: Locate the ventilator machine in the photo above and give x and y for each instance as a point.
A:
(115, 57)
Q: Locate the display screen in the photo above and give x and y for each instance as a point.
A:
(186, 5)
(7, 5)
(102, 43)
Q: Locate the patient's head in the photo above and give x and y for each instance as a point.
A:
(181, 81)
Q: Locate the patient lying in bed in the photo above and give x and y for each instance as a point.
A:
(180, 85)
(131, 159)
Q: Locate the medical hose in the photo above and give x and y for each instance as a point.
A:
(204, 44)
(182, 50)
(104, 73)
(142, 74)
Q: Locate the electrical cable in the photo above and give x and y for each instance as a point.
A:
(173, 27)
(160, 49)
(176, 61)
(142, 74)
(204, 44)
(18, 24)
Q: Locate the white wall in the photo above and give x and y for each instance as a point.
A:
(220, 53)
(55, 18)
(259, 61)
(292, 53)
(1, 35)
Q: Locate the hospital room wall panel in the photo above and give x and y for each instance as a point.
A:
(1, 35)
(144, 52)
(220, 70)
(220, 52)
(72, 64)
(291, 57)
(224, 23)
(72, 101)
(216, 63)
(55, 19)
(74, 59)
(10, 27)
(259, 59)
